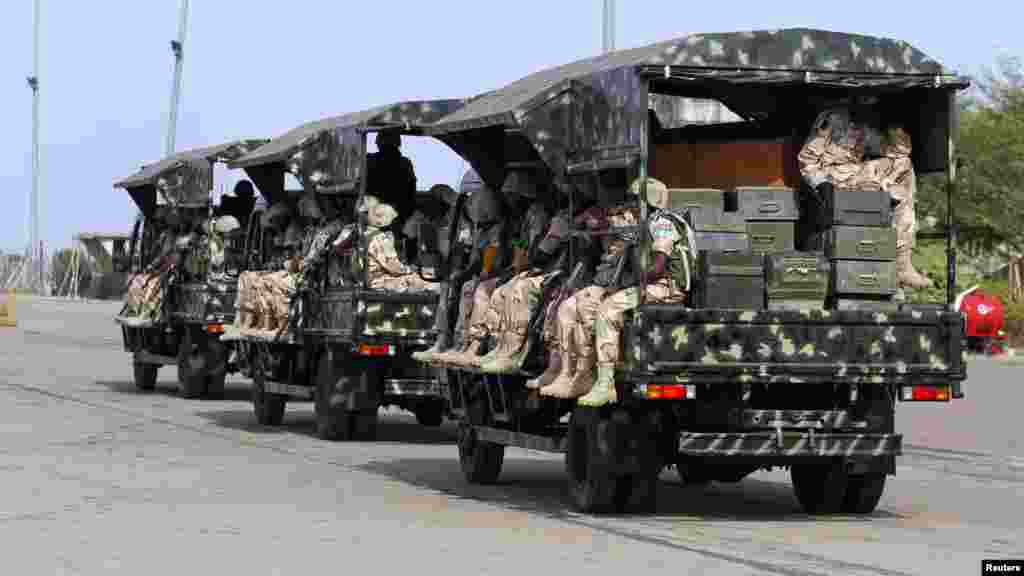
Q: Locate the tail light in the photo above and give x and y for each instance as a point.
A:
(666, 391)
(925, 393)
(215, 328)
(377, 350)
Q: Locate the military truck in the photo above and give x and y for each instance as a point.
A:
(346, 347)
(733, 380)
(176, 219)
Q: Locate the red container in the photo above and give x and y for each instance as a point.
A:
(984, 315)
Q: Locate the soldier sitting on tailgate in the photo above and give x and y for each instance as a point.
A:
(145, 290)
(578, 313)
(384, 269)
(495, 217)
(511, 295)
(474, 230)
(391, 176)
(666, 263)
(835, 157)
(253, 312)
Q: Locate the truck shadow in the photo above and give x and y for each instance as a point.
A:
(392, 427)
(538, 486)
(233, 391)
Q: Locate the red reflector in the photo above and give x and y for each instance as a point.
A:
(666, 392)
(930, 393)
(377, 350)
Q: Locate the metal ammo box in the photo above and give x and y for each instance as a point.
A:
(693, 199)
(859, 243)
(730, 280)
(846, 207)
(771, 203)
(719, 231)
(797, 280)
(863, 278)
(772, 236)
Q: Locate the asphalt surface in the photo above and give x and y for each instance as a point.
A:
(99, 478)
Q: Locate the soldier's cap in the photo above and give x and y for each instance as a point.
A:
(388, 140)
(519, 182)
(226, 224)
(378, 213)
(657, 192)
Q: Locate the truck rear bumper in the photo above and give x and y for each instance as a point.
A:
(789, 443)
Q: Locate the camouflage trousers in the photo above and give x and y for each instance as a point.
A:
(576, 317)
(266, 295)
(145, 296)
(483, 295)
(404, 283)
(610, 315)
(514, 302)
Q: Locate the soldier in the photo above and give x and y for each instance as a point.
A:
(666, 278)
(252, 311)
(576, 316)
(469, 234)
(518, 186)
(241, 204)
(385, 270)
(391, 176)
(834, 156)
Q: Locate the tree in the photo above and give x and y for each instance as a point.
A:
(990, 202)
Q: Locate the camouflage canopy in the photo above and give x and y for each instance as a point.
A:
(594, 110)
(328, 152)
(185, 168)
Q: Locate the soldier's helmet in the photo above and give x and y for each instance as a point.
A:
(226, 224)
(657, 192)
(519, 184)
(388, 140)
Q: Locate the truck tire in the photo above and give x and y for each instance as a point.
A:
(863, 493)
(593, 489)
(217, 369)
(430, 414)
(479, 460)
(191, 367)
(267, 406)
(145, 375)
(334, 422)
(820, 488)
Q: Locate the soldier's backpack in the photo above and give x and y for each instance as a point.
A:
(680, 262)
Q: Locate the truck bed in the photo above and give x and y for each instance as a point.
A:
(917, 344)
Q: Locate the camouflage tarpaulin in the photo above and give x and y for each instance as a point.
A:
(327, 152)
(142, 185)
(746, 60)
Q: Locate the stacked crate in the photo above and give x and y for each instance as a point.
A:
(729, 274)
(860, 243)
(794, 280)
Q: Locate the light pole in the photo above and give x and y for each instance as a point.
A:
(35, 263)
(178, 49)
(608, 26)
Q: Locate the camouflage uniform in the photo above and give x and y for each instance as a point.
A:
(385, 270)
(834, 153)
(577, 315)
(675, 244)
(146, 289)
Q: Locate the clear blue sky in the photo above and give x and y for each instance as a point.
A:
(258, 69)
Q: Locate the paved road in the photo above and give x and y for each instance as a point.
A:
(101, 479)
